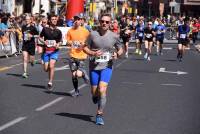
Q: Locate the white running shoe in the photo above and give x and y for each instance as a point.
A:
(145, 56)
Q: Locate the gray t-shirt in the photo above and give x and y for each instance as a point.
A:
(107, 44)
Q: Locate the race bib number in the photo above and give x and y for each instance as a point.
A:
(51, 43)
(159, 32)
(105, 57)
(26, 37)
(140, 34)
(182, 36)
(76, 44)
(149, 35)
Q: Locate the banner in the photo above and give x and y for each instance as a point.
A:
(191, 2)
(74, 7)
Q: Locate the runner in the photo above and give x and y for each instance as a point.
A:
(52, 38)
(28, 48)
(182, 35)
(149, 34)
(126, 30)
(76, 38)
(139, 37)
(103, 47)
(160, 31)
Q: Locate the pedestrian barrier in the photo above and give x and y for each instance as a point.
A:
(8, 44)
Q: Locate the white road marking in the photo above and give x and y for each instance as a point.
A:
(11, 123)
(169, 84)
(167, 48)
(62, 68)
(120, 63)
(49, 104)
(163, 70)
(133, 83)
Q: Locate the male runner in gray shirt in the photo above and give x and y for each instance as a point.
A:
(103, 46)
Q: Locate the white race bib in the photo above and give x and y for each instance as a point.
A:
(76, 44)
(159, 32)
(182, 36)
(51, 43)
(140, 34)
(149, 35)
(26, 37)
(105, 57)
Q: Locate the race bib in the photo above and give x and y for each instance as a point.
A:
(182, 36)
(140, 34)
(26, 37)
(159, 32)
(76, 44)
(105, 57)
(149, 35)
(51, 43)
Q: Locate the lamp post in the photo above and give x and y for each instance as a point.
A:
(149, 3)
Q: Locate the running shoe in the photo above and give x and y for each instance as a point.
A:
(140, 52)
(25, 75)
(99, 119)
(33, 63)
(50, 86)
(75, 93)
(146, 56)
(126, 54)
(95, 99)
(136, 51)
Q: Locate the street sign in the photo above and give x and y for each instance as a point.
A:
(177, 8)
(172, 4)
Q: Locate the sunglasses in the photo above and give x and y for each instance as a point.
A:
(104, 21)
(149, 24)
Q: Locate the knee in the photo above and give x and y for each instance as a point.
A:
(77, 73)
(102, 91)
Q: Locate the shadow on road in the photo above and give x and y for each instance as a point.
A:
(34, 86)
(77, 116)
(16, 75)
(59, 93)
(170, 60)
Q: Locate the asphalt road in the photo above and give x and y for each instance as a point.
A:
(157, 97)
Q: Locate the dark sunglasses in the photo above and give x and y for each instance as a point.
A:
(104, 21)
(149, 24)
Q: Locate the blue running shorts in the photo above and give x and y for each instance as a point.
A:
(100, 75)
(47, 56)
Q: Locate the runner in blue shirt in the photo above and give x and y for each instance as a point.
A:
(139, 37)
(160, 31)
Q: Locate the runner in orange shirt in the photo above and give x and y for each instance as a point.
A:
(76, 38)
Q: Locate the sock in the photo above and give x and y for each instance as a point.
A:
(75, 83)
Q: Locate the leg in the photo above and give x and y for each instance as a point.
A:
(51, 70)
(146, 49)
(150, 47)
(25, 61)
(94, 80)
(158, 47)
(105, 77)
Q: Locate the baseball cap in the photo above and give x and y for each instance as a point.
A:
(78, 16)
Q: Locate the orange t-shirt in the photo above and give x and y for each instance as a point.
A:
(76, 36)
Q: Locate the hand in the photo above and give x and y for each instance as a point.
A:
(57, 45)
(98, 53)
(114, 56)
